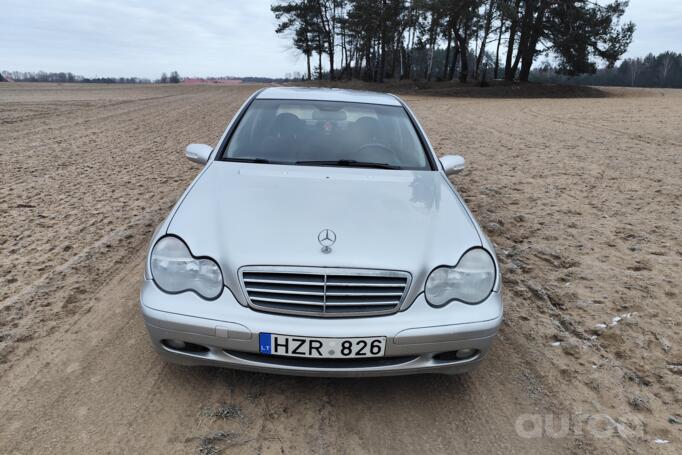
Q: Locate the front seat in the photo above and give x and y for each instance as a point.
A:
(283, 142)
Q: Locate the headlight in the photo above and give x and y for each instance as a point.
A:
(470, 281)
(175, 270)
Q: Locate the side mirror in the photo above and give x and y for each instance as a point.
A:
(198, 153)
(452, 164)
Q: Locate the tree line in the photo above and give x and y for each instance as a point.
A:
(663, 70)
(452, 39)
(174, 78)
(65, 77)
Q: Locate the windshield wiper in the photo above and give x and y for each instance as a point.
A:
(347, 163)
(251, 160)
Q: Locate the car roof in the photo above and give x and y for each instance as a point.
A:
(328, 94)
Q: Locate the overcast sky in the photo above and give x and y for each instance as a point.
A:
(201, 37)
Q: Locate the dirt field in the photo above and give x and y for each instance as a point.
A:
(581, 196)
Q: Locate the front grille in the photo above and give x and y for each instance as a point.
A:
(324, 292)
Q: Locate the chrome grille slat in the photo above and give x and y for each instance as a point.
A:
(379, 303)
(302, 283)
(285, 291)
(291, 301)
(372, 285)
(360, 293)
(363, 281)
(324, 292)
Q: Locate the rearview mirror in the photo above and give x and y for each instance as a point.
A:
(199, 153)
(452, 164)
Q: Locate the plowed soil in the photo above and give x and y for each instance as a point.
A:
(582, 197)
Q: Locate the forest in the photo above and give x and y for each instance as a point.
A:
(663, 70)
(375, 40)
(552, 41)
(68, 77)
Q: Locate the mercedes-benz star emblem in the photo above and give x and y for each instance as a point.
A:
(327, 238)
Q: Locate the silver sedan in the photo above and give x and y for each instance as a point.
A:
(322, 237)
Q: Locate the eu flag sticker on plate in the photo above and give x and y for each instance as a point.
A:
(265, 342)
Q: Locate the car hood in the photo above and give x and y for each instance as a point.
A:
(254, 214)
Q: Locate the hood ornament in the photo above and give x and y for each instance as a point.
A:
(327, 238)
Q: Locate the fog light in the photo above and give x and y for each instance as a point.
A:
(185, 346)
(176, 344)
(465, 353)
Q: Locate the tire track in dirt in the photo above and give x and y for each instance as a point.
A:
(85, 377)
(75, 207)
(98, 385)
(584, 221)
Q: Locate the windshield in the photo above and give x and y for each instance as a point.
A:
(323, 133)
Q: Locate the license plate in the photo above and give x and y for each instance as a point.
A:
(323, 348)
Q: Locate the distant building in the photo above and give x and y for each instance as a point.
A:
(198, 80)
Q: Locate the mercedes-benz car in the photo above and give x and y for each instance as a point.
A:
(322, 237)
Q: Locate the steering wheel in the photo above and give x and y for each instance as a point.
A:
(385, 154)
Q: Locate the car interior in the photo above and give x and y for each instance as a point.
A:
(295, 132)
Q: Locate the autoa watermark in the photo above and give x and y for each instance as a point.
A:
(532, 426)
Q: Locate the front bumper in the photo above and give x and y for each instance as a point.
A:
(229, 331)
